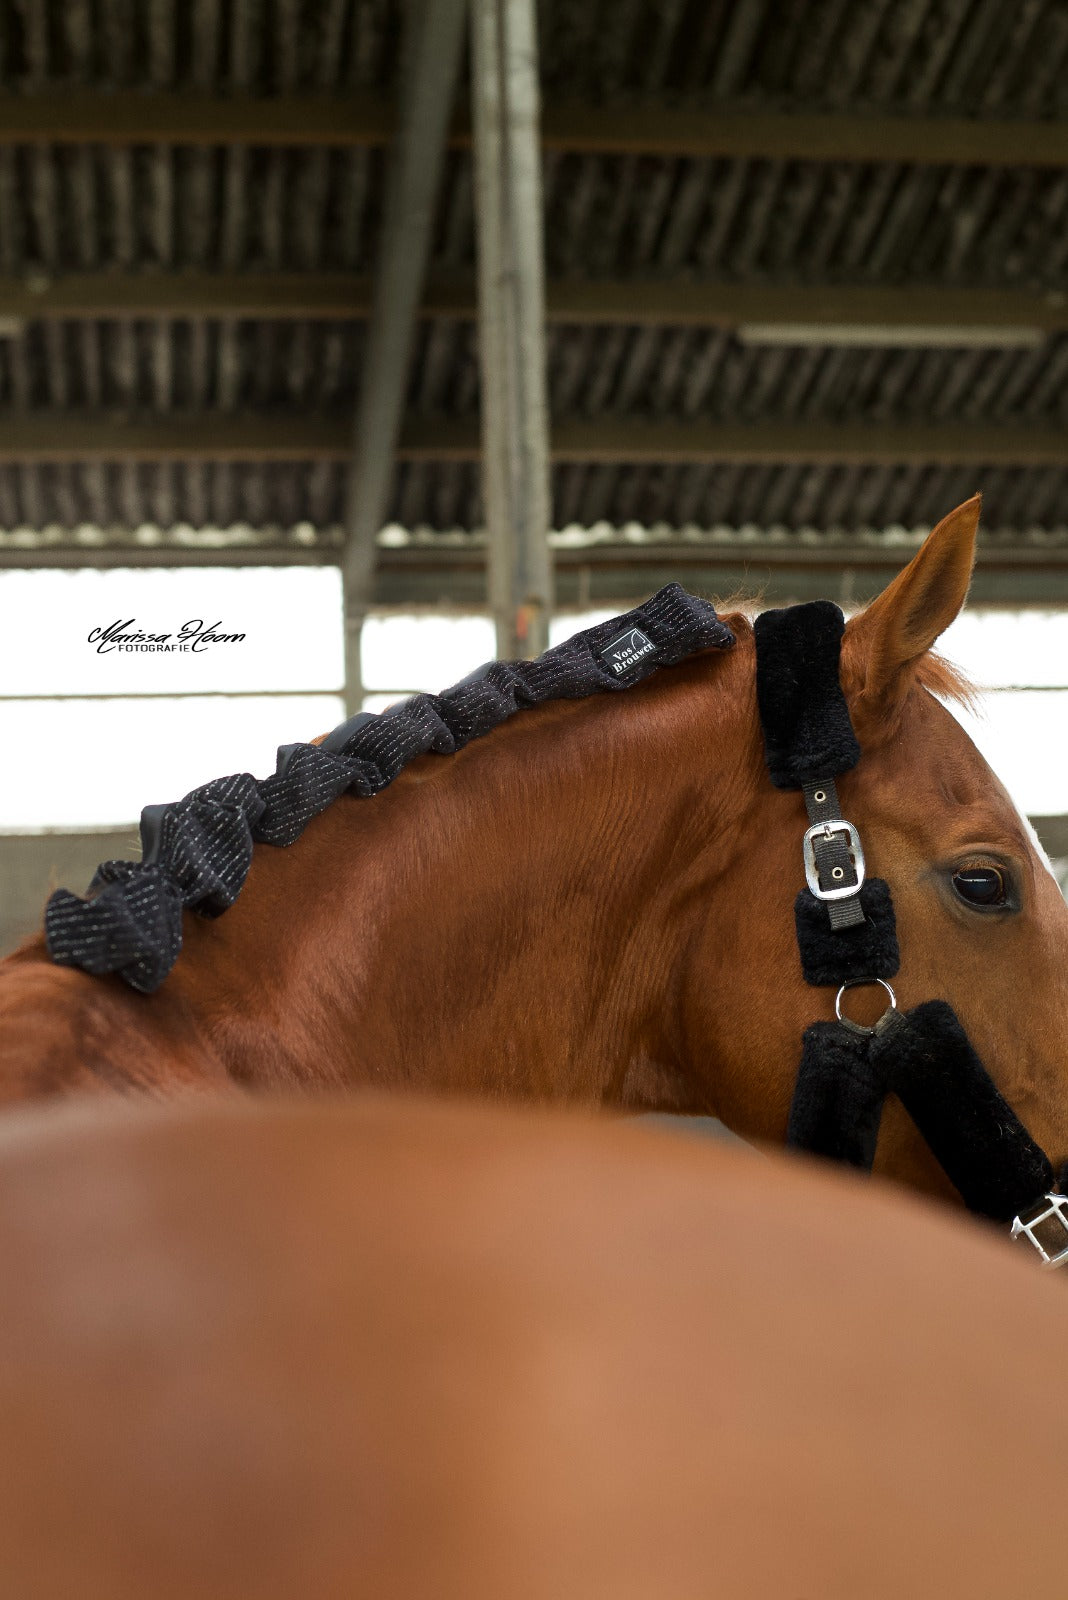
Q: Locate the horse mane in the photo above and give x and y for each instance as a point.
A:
(197, 851)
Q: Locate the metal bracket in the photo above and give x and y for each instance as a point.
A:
(1052, 1210)
(827, 830)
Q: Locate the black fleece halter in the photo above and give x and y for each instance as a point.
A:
(847, 937)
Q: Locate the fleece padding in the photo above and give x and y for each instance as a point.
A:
(838, 1098)
(807, 731)
(927, 1060)
(974, 1134)
(844, 955)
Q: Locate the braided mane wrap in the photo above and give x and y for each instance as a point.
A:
(196, 852)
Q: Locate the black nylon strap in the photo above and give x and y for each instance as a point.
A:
(836, 867)
(821, 800)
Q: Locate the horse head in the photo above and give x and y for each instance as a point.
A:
(981, 922)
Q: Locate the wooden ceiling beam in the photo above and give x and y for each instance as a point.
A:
(599, 574)
(636, 441)
(72, 438)
(368, 118)
(338, 296)
(130, 296)
(129, 117)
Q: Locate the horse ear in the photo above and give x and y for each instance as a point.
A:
(882, 642)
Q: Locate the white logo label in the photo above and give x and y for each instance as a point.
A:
(626, 651)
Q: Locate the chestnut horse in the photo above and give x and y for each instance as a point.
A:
(594, 903)
(391, 1349)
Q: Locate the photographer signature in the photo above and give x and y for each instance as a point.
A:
(192, 636)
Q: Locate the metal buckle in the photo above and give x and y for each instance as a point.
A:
(826, 830)
(1023, 1227)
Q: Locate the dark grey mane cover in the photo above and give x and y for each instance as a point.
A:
(197, 851)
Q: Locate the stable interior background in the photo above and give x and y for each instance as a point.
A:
(804, 291)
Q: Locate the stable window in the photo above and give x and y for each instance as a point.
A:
(1018, 661)
(123, 687)
(96, 727)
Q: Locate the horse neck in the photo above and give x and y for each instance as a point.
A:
(510, 920)
(63, 1031)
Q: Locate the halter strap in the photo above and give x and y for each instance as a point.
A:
(846, 935)
(809, 741)
(803, 712)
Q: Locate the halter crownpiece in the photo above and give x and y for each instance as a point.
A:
(196, 852)
(808, 742)
(846, 936)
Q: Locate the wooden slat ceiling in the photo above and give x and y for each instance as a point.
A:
(190, 200)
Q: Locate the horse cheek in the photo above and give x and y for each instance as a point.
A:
(746, 1006)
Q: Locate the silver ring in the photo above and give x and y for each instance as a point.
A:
(863, 983)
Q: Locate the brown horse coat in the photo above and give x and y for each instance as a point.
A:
(388, 1349)
(595, 904)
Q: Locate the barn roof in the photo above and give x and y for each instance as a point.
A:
(805, 281)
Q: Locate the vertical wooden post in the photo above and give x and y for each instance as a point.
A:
(511, 311)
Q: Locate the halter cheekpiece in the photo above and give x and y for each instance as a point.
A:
(847, 937)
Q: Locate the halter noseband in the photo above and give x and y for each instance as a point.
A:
(847, 936)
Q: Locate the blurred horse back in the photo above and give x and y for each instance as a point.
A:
(391, 1348)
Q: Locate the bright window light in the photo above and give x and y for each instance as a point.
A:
(95, 763)
(429, 653)
(1016, 732)
(561, 628)
(382, 702)
(1021, 657)
(403, 654)
(290, 618)
(1014, 648)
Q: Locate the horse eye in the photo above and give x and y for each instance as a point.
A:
(980, 886)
